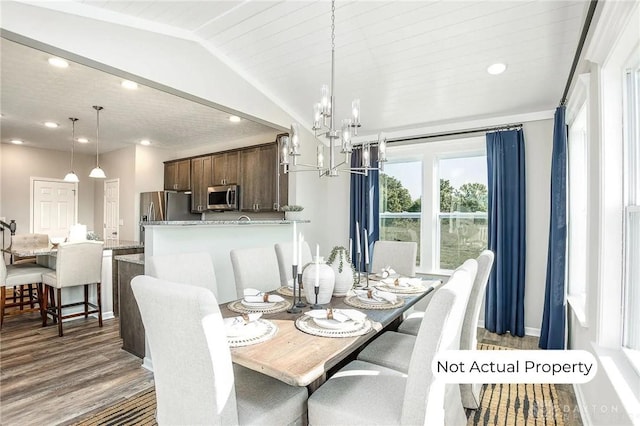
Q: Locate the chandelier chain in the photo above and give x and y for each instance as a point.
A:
(333, 25)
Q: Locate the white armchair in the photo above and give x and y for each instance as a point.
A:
(284, 253)
(255, 268)
(186, 268)
(400, 255)
(367, 394)
(194, 378)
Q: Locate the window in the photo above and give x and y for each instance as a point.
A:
(435, 193)
(401, 202)
(462, 217)
(631, 317)
(578, 195)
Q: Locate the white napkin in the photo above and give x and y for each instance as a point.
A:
(378, 295)
(402, 282)
(340, 315)
(252, 295)
(234, 325)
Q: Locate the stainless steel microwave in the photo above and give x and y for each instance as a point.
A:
(223, 197)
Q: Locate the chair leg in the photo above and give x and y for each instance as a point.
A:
(53, 305)
(43, 306)
(31, 296)
(3, 297)
(59, 307)
(86, 301)
(40, 296)
(21, 297)
(99, 306)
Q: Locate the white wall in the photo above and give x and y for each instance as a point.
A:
(18, 163)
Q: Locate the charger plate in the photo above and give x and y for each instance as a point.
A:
(286, 291)
(411, 289)
(357, 303)
(270, 308)
(307, 325)
(264, 331)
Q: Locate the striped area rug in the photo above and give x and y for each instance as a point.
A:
(501, 404)
(516, 404)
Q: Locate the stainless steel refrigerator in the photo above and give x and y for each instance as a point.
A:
(165, 206)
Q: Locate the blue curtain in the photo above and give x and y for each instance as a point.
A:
(365, 205)
(504, 305)
(553, 320)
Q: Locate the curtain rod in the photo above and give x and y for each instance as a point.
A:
(576, 57)
(460, 132)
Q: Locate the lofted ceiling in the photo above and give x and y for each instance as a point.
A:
(412, 64)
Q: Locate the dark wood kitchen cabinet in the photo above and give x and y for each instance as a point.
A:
(177, 175)
(201, 179)
(225, 168)
(131, 327)
(259, 176)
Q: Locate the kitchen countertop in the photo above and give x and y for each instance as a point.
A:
(131, 258)
(222, 222)
(108, 245)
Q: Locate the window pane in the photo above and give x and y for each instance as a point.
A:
(632, 295)
(462, 224)
(577, 262)
(401, 202)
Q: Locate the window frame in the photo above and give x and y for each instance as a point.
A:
(428, 152)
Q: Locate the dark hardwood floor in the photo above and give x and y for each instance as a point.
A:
(48, 380)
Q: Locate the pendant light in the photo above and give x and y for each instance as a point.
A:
(97, 172)
(72, 176)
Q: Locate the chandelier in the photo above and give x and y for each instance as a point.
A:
(324, 124)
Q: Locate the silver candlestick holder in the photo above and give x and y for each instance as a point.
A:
(299, 303)
(294, 309)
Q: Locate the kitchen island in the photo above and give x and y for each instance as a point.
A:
(218, 238)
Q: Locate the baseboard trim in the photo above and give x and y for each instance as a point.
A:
(584, 414)
(528, 331)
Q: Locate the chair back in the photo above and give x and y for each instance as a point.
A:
(79, 263)
(284, 254)
(186, 268)
(192, 368)
(255, 268)
(470, 392)
(28, 243)
(439, 331)
(400, 255)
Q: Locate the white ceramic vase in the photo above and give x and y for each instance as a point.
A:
(324, 276)
(343, 272)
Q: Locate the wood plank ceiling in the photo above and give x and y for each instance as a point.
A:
(412, 63)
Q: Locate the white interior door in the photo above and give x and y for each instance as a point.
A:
(111, 208)
(53, 207)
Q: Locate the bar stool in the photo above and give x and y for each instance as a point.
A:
(26, 274)
(77, 264)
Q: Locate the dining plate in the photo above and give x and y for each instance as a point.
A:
(332, 324)
(236, 328)
(258, 304)
(365, 299)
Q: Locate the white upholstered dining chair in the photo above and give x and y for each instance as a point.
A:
(284, 254)
(399, 255)
(186, 268)
(390, 350)
(77, 264)
(255, 268)
(194, 378)
(367, 394)
(18, 276)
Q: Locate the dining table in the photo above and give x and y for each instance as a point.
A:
(301, 359)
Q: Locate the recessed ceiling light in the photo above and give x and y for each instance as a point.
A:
(51, 124)
(83, 140)
(145, 142)
(58, 62)
(16, 141)
(128, 84)
(234, 119)
(497, 68)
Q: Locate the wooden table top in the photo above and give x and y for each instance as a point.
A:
(300, 359)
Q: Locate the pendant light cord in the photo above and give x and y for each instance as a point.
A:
(97, 108)
(73, 138)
